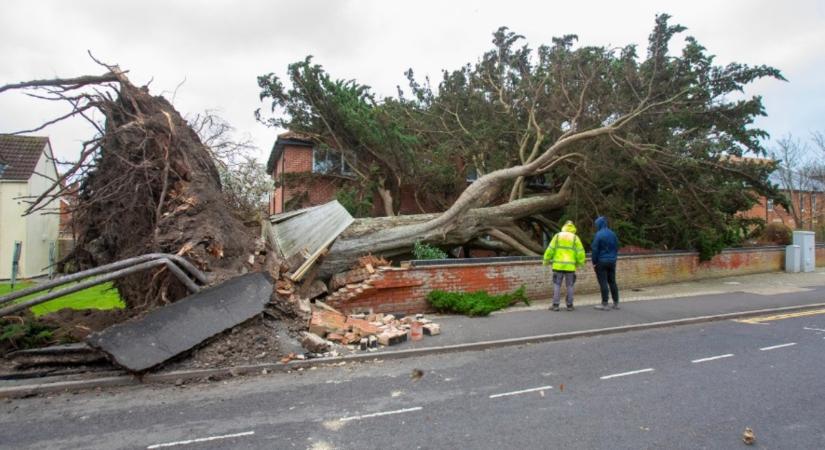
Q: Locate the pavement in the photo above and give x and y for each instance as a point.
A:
(657, 306)
(694, 386)
(672, 302)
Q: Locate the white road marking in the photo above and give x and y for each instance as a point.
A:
(711, 358)
(385, 413)
(206, 439)
(812, 329)
(625, 374)
(778, 346)
(524, 391)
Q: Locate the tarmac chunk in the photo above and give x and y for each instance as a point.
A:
(166, 332)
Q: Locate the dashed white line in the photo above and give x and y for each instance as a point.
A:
(378, 414)
(778, 346)
(711, 358)
(623, 374)
(206, 439)
(812, 329)
(524, 391)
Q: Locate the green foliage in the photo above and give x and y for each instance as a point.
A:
(777, 233)
(422, 250)
(30, 333)
(357, 204)
(669, 174)
(478, 303)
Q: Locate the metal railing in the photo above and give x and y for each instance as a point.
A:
(180, 267)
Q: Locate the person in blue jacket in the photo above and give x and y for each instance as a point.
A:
(604, 250)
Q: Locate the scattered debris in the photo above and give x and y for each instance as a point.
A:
(173, 329)
(56, 355)
(416, 374)
(748, 437)
(367, 331)
(314, 343)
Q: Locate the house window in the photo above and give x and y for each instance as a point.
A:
(770, 204)
(329, 161)
(802, 202)
(2, 168)
(472, 174)
(813, 202)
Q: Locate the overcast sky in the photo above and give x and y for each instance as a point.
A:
(210, 56)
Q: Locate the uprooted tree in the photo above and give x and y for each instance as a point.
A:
(146, 183)
(559, 132)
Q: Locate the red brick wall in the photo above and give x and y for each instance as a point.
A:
(405, 290)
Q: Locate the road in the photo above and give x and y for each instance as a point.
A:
(694, 386)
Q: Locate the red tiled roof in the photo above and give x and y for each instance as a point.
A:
(20, 155)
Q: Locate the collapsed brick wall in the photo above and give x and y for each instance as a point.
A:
(405, 290)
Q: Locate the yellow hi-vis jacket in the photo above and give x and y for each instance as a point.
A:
(565, 250)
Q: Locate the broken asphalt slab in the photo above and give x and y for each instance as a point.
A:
(166, 332)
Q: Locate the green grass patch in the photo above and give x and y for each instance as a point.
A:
(478, 303)
(103, 296)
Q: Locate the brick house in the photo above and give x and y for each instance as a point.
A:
(305, 174)
(809, 202)
(808, 199)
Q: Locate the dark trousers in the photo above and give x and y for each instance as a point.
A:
(606, 274)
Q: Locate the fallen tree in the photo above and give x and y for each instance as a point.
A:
(145, 184)
(553, 133)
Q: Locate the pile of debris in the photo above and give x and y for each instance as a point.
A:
(364, 331)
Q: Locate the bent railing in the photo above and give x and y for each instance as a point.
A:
(174, 263)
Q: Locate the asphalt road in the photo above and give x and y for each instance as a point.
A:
(692, 387)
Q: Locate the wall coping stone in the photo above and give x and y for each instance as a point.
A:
(520, 260)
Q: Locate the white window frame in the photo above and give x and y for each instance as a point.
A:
(330, 156)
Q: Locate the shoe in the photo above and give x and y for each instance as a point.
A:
(554, 308)
(616, 306)
(602, 307)
(570, 308)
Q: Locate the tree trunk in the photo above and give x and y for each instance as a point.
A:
(390, 236)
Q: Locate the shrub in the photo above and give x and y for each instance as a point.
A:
(478, 303)
(425, 251)
(777, 233)
(28, 334)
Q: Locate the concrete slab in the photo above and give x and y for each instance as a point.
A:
(166, 332)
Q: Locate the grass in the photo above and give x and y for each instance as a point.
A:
(103, 296)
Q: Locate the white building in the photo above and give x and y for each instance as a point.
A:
(27, 169)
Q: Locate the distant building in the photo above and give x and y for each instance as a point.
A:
(306, 174)
(27, 169)
(808, 199)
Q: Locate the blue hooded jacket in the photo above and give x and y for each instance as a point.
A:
(605, 246)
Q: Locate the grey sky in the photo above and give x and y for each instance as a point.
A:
(217, 48)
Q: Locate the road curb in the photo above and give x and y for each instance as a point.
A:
(171, 377)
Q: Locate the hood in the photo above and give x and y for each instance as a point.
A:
(601, 223)
(569, 227)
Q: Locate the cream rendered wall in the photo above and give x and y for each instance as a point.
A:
(12, 225)
(42, 227)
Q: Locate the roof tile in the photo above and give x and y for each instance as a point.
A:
(20, 155)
